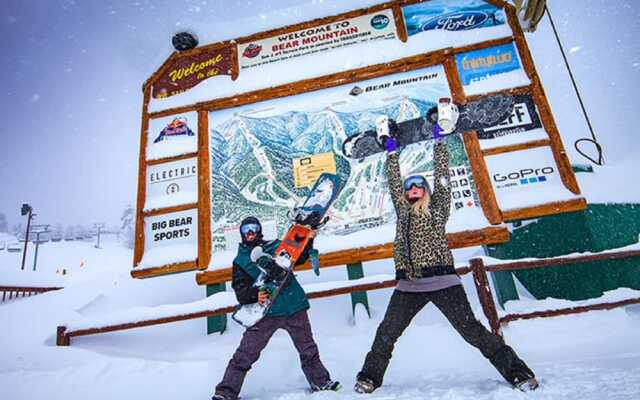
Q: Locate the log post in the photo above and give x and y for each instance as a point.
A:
(61, 337)
(485, 295)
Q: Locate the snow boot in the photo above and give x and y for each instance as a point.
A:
(332, 386)
(527, 385)
(364, 386)
(218, 397)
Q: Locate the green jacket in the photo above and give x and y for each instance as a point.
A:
(292, 297)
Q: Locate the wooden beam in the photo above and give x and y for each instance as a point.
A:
(401, 28)
(488, 200)
(167, 210)
(484, 45)
(29, 289)
(204, 191)
(174, 158)
(138, 247)
(515, 147)
(312, 84)
(370, 253)
(164, 270)
(555, 261)
(453, 78)
(545, 209)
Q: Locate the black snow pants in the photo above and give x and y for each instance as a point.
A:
(453, 303)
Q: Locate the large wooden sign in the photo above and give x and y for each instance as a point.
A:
(244, 144)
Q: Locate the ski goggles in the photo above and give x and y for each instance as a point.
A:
(417, 181)
(255, 228)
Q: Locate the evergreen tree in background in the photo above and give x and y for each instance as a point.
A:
(69, 233)
(127, 227)
(4, 226)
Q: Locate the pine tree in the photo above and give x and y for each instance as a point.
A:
(4, 226)
(69, 233)
(127, 227)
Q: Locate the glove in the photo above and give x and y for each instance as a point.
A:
(315, 261)
(437, 133)
(390, 145)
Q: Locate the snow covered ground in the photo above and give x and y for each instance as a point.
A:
(576, 357)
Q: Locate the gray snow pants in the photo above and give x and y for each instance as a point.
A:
(255, 339)
(453, 303)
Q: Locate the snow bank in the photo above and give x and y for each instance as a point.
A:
(213, 302)
(523, 306)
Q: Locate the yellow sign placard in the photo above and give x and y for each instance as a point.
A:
(306, 170)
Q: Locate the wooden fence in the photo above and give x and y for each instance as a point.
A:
(476, 267)
(15, 292)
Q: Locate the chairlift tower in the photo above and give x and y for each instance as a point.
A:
(98, 226)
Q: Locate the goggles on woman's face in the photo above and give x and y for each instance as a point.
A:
(416, 181)
(254, 228)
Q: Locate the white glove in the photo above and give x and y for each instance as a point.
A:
(256, 253)
(382, 128)
(448, 115)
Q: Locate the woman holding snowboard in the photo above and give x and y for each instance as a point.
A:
(425, 272)
(288, 312)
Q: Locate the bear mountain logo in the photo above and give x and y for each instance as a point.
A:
(356, 91)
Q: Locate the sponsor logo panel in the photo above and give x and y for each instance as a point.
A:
(481, 64)
(178, 228)
(524, 117)
(439, 15)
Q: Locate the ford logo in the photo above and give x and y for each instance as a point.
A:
(458, 21)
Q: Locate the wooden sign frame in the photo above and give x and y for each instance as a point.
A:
(445, 57)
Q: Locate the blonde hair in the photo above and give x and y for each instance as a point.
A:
(421, 206)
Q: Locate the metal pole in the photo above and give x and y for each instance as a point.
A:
(26, 239)
(35, 257)
(98, 245)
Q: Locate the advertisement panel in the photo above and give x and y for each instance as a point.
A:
(170, 238)
(367, 28)
(526, 178)
(479, 65)
(172, 184)
(451, 15)
(172, 136)
(256, 145)
(523, 125)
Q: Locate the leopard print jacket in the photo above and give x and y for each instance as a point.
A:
(420, 248)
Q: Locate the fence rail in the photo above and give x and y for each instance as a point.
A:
(486, 298)
(477, 268)
(15, 292)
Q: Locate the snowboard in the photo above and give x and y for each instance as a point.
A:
(276, 270)
(480, 114)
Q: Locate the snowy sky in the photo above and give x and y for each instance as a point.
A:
(72, 73)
